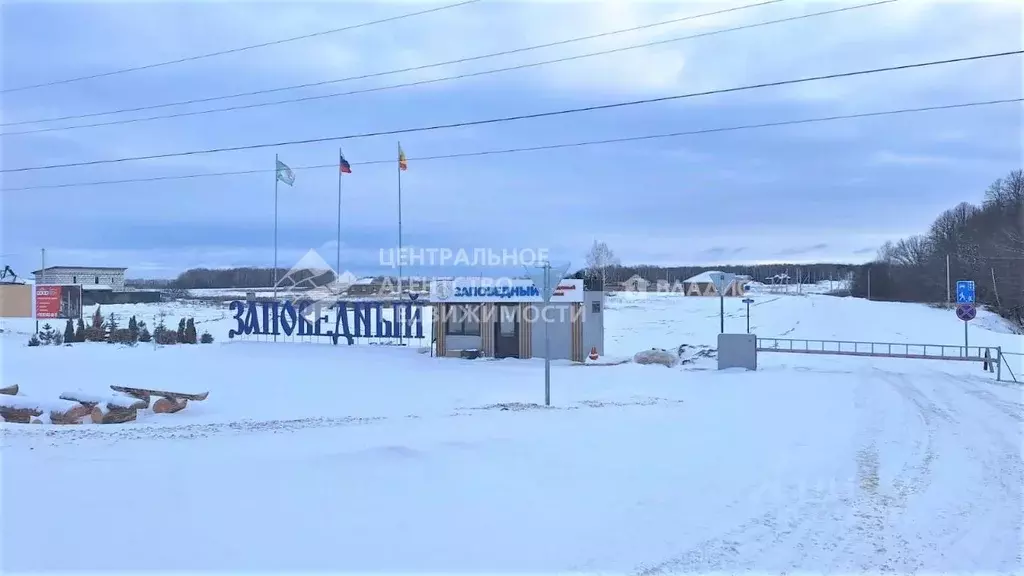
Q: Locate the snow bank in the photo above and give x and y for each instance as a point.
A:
(102, 400)
(656, 356)
(39, 404)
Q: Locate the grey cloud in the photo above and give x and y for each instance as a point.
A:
(720, 251)
(802, 250)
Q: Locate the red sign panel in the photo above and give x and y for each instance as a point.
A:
(54, 302)
(47, 301)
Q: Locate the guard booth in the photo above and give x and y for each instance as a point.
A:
(505, 318)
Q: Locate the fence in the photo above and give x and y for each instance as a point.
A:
(984, 354)
(1006, 356)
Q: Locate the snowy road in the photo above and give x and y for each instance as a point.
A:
(845, 466)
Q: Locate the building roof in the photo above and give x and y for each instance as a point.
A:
(57, 268)
(706, 276)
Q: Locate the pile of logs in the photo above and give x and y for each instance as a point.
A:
(73, 407)
(113, 409)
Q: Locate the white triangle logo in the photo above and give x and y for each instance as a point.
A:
(554, 276)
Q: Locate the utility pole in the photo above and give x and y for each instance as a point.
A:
(949, 296)
(995, 288)
(547, 338)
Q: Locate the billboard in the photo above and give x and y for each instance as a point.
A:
(58, 301)
(480, 290)
(15, 300)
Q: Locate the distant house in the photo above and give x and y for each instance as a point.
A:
(701, 285)
(88, 277)
(366, 286)
(635, 283)
(100, 285)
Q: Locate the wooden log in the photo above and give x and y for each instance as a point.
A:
(169, 405)
(115, 415)
(112, 401)
(147, 393)
(112, 415)
(22, 410)
(11, 390)
(71, 416)
(19, 415)
(133, 392)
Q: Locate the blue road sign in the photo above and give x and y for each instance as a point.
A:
(965, 292)
(966, 312)
(748, 300)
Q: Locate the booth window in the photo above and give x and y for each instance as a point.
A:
(464, 320)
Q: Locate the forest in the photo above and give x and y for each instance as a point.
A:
(983, 243)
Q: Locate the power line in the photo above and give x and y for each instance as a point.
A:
(334, 165)
(518, 117)
(408, 69)
(236, 50)
(437, 80)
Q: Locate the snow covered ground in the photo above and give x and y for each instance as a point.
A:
(314, 457)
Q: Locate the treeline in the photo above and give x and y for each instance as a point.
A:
(147, 283)
(251, 277)
(981, 243)
(247, 277)
(767, 273)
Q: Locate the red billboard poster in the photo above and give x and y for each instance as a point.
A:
(58, 301)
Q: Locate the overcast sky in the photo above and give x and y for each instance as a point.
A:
(828, 191)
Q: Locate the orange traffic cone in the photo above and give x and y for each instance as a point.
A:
(593, 353)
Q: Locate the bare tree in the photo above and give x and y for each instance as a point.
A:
(599, 259)
(982, 243)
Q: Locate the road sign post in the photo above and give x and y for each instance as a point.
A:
(748, 302)
(722, 281)
(547, 280)
(965, 310)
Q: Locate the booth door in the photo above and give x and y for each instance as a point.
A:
(506, 331)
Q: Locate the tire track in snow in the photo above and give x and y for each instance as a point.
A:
(996, 447)
(64, 434)
(801, 519)
(915, 476)
(746, 542)
(1004, 435)
(1011, 409)
(869, 505)
(983, 495)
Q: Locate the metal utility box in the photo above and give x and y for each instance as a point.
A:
(737, 351)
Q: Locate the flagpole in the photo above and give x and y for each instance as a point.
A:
(276, 180)
(399, 223)
(337, 269)
(399, 327)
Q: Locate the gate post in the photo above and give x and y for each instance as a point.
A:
(999, 367)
